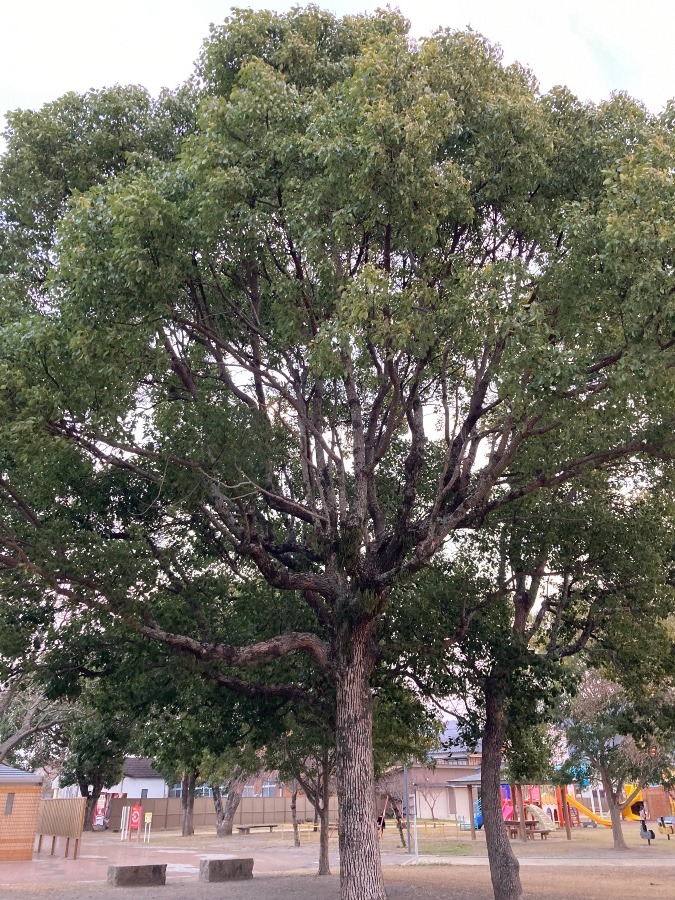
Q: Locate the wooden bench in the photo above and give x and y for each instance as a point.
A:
(246, 829)
(543, 834)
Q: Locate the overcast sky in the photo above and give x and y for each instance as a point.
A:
(48, 47)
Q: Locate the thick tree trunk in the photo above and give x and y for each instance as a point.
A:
(360, 866)
(614, 811)
(504, 867)
(187, 804)
(294, 817)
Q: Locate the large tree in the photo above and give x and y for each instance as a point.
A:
(377, 290)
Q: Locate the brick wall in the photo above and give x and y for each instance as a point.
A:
(19, 806)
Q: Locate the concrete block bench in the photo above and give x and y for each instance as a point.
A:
(136, 876)
(246, 829)
(225, 869)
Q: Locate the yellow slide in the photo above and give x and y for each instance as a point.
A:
(587, 812)
(628, 813)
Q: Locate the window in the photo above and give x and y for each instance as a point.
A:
(203, 791)
(144, 794)
(269, 789)
(9, 804)
(248, 791)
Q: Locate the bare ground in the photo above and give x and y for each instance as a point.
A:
(455, 868)
(447, 882)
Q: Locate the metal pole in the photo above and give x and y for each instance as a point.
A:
(406, 794)
(417, 854)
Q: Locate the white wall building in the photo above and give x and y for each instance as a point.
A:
(139, 780)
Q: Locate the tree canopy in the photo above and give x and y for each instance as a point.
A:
(309, 320)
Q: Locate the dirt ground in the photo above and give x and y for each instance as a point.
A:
(452, 867)
(447, 882)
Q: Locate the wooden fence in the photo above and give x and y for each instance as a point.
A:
(61, 818)
(251, 811)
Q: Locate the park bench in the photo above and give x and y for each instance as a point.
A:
(543, 833)
(246, 829)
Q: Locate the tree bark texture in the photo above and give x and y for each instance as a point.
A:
(187, 804)
(504, 867)
(360, 865)
(294, 817)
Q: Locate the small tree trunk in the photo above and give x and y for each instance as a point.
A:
(521, 811)
(324, 863)
(218, 806)
(187, 803)
(567, 816)
(92, 799)
(323, 806)
(399, 821)
(232, 801)
(294, 817)
(504, 867)
(614, 811)
(360, 865)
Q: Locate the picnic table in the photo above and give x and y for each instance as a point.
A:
(246, 829)
(513, 828)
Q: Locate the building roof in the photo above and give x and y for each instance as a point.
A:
(452, 744)
(139, 767)
(470, 780)
(9, 775)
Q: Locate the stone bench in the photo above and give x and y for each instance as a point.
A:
(133, 876)
(225, 869)
(246, 829)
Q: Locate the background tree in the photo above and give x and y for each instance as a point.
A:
(382, 290)
(95, 757)
(587, 569)
(619, 742)
(26, 714)
(227, 774)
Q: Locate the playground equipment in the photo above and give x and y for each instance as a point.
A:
(478, 813)
(544, 822)
(631, 813)
(588, 812)
(666, 825)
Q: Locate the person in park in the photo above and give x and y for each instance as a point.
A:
(310, 320)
